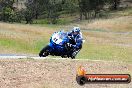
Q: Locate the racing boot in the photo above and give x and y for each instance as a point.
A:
(74, 53)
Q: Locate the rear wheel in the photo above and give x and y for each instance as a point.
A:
(72, 57)
(44, 52)
(64, 56)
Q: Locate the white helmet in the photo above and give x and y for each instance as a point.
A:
(76, 29)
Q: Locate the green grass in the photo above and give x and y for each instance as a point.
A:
(105, 52)
(23, 47)
(16, 45)
(39, 45)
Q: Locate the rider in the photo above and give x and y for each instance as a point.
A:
(77, 36)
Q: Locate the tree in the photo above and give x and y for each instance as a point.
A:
(114, 4)
(97, 6)
(69, 6)
(6, 13)
(32, 10)
(90, 6)
(52, 9)
(7, 9)
(83, 8)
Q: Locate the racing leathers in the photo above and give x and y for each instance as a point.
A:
(78, 42)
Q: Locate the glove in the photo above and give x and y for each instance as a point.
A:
(69, 45)
(74, 46)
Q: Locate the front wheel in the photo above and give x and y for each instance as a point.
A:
(44, 52)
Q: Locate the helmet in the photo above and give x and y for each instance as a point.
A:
(76, 29)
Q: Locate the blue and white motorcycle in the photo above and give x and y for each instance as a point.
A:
(60, 45)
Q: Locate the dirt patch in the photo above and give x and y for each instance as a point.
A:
(56, 73)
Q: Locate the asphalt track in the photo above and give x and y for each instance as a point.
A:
(16, 56)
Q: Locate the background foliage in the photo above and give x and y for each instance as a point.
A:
(53, 10)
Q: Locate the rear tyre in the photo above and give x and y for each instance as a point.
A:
(72, 57)
(44, 52)
(64, 56)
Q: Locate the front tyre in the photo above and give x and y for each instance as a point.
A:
(44, 52)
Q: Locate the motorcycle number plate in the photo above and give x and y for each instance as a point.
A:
(56, 39)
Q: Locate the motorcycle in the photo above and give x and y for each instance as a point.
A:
(60, 45)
